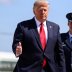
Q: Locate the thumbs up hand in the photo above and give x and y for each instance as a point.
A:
(19, 49)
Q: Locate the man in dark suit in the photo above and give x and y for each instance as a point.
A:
(67, 43)
(37, 43)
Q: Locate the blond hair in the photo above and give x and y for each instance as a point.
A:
(39, 1)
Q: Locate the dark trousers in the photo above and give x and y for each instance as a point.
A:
(43, 70)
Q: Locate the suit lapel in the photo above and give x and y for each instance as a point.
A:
(50, 33)
(35, 33)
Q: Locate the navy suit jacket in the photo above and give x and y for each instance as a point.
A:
(32, 55)
(67, 46)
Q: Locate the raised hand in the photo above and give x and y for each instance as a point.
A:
(19, 49)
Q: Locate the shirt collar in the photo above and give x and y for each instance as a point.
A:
(38, 22)
(70, 35)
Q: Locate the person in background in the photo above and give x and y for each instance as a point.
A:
(37, 43)
(67, 43)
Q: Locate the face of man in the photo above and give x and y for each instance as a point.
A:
(41, 11)
(70, 26)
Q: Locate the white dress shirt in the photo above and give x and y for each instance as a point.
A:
(45, 27)
(70, 35)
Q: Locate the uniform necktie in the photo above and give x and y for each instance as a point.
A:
(43, 41)
(71, 40)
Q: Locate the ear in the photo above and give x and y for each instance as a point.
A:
(34, 10)
(68, 23)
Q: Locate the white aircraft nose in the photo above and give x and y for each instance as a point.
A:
(7, 61)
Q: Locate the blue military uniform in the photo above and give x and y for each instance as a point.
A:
(67, 45)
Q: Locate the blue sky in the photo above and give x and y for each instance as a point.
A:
(14, 11)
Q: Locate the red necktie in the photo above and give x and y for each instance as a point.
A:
(43, 41)
(42, 36)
